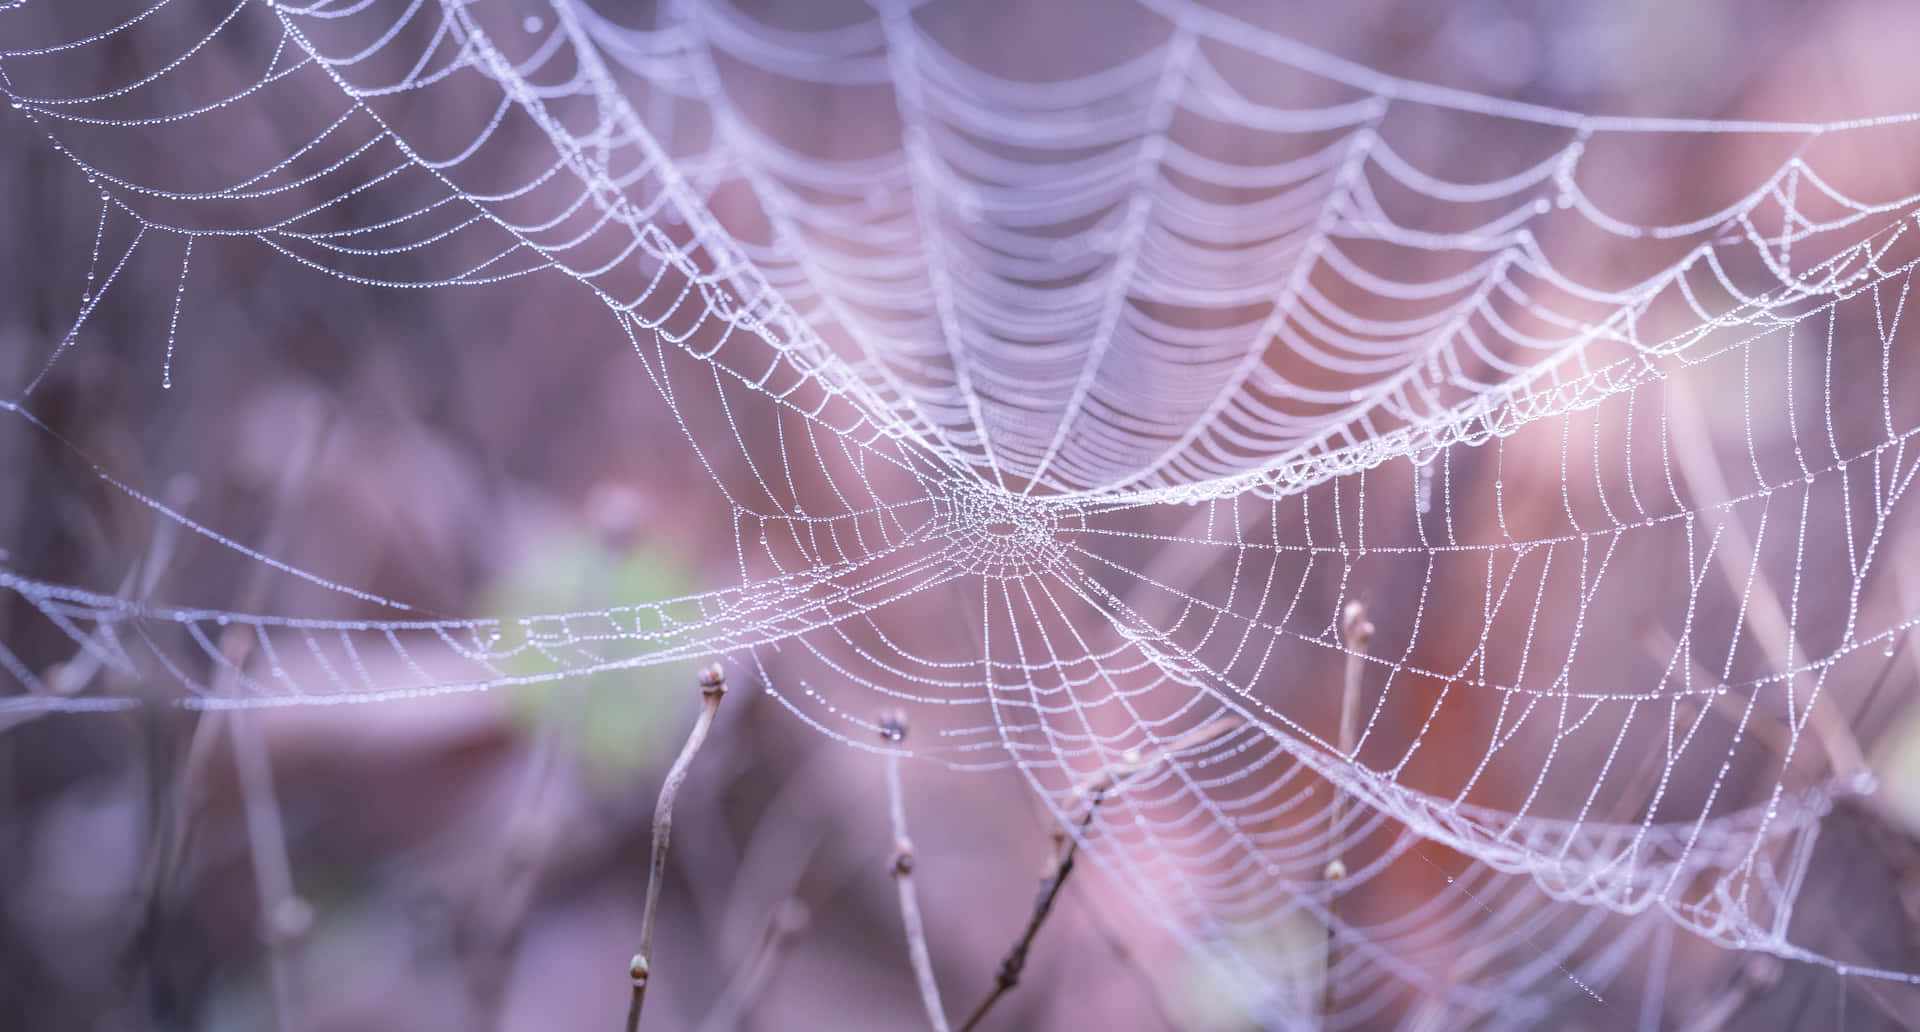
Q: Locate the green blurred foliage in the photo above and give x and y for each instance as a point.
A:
(1897, 766)
(624, 721)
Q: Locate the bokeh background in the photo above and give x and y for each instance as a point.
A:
(477, 861)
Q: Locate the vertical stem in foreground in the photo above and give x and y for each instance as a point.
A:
(713, 685)
(893, 727)
(1065, 848)
(284, 916)
(1358, 632)
(1771, 623)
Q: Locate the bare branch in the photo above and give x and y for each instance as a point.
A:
(893, 727)
(1755, 975)
(1111, 777)
(1094, 790)
(284, 916)
(1358, 632)
(1065, 847)
(1156, 992)
(786, 921)
(713, 686)
(497, 914)
(1739, 567)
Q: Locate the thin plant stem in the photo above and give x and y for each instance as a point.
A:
(1358, 633)
(713, 686)
(1156, 993)
(1739, 566)
(1065, 847)
(499, 914)
(1755, 975)
(893, 728)
(749, 979)
(1110, 778)
(284, 916)
(72, 676)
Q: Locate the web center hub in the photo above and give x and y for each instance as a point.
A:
(1004, 534)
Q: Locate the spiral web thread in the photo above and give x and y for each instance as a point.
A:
(1146, 372)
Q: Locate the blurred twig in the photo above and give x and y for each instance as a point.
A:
(1357, 630)
(499, 914)
(1777, 736)
(786, 921)
(284, 916)
(1156, 993)
(713, 686)
(893, 727)
(1113, 776)
(1740, 567)
(73, 676)
(1756, 974)
(1066, 846)
(1059, 867)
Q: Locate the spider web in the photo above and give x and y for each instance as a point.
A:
(1148, 371)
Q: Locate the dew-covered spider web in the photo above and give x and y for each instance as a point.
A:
(1071, 404)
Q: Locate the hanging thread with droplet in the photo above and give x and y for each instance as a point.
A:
(173, 325)
(99, 233)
